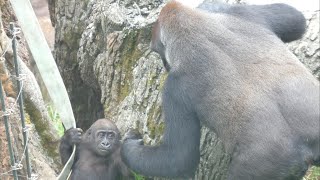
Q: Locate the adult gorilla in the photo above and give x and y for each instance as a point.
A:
(98, 152)
(232, 72)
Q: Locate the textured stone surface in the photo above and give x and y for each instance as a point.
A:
(42, 141)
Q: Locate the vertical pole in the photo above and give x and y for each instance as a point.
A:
(5, 117)
(24, 132)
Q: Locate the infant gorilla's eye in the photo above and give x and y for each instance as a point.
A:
(111, 134)
(101, 134)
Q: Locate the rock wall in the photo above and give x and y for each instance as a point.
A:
(42, 137)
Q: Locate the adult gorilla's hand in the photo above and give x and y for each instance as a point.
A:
(133, 136)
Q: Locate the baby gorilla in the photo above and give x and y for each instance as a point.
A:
(98, 152)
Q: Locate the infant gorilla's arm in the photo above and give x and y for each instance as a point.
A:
(71, 137)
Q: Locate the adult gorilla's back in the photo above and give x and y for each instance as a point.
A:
(239, 79)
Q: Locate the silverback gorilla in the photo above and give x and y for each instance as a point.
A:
(98, 152)
(231, 71)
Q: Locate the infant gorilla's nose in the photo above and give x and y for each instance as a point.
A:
(105, 144)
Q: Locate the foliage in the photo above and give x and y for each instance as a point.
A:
(54, 116)
(313, 174)
(138, 176)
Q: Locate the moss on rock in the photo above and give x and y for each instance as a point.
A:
(48, 139)
(129, 56)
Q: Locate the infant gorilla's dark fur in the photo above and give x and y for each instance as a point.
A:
(97, 155)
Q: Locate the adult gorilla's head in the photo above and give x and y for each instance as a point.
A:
(102, 138)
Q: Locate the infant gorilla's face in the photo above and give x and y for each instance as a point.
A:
(106, 141)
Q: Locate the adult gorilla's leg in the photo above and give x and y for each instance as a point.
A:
(276, 163)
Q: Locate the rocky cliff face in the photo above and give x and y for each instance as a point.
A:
(42, 137)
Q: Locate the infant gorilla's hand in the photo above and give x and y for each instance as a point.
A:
(75, 135)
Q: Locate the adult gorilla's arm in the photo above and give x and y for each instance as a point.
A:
(285, 21)
(179, 153)
(70, 137)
